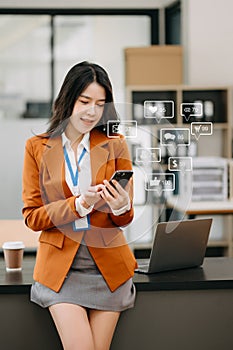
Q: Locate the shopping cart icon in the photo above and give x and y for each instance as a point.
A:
(154, 182)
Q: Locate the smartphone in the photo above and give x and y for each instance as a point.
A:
(121, 176)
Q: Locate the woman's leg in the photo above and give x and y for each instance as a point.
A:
(73, 326)
(103, 324)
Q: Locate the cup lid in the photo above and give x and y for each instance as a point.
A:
(13, 245)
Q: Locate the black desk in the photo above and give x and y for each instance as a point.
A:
(187, 309)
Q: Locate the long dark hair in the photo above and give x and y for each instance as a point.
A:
(76, 81)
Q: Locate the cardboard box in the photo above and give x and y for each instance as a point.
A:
(154, 65)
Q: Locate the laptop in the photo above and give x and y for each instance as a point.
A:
(177, 245)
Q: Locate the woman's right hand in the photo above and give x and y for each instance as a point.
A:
(92, 195)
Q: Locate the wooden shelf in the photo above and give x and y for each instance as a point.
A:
(201, 207)
(217, 243)
(221, 146)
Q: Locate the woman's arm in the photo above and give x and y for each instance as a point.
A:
(38, 213)
(123, 162)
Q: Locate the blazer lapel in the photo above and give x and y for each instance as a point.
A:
(99, 156)
(53, 158)
(99, 159)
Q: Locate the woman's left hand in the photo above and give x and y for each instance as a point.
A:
(118, 196)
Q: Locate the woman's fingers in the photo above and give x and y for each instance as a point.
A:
(97, 188)
(111, 189)
(115, 195)
(93, 194)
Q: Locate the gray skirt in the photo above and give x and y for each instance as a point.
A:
(85, 286)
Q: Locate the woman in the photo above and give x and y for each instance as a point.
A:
(84, 267)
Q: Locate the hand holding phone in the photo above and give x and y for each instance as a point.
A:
(116, 196)
(122, 177)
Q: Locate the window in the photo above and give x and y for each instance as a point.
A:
(37, 48)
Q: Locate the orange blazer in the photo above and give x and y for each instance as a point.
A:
(49, 207)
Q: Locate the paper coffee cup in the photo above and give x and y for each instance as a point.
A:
(13, 255)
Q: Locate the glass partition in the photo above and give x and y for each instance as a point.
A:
(36, 51)
(25, 56)
(100, 39)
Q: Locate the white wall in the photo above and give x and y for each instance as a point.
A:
(208, 57)
(207, 39)
(13, 135)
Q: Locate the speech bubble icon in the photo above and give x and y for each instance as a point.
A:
(177, 136)
(191, 109)
(204, 129)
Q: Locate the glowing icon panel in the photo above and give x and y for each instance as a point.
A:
(128, 128)
(158, 109)
(177, 136)
(160, 182)
(148, 155)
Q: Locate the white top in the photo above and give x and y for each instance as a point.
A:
(84, 175)
(84, 178)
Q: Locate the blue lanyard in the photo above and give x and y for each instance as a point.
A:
(74, 177)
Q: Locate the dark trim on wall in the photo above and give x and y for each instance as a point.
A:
(52, 63)
(173, 24)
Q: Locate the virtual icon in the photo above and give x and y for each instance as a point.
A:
(169, 136)
(198, 129)
(160, 182)
(148, 155)
(158, 109)
(194, 109)
(115, 128)
(128, 128)
(180, 164)
(177, 136)
(154, 182)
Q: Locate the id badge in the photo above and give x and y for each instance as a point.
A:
(82, 224)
